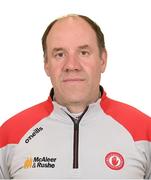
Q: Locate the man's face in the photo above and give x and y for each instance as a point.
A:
(74, 63)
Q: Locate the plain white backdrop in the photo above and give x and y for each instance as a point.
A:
(127, 28)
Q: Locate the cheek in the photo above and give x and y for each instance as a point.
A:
(96, 75)
(55, 75)
(93, 70)
(55, 69)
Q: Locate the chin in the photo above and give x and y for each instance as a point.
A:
(76, 94)
(76, 98)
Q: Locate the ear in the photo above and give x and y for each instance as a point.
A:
(103, 60)
(46, 68)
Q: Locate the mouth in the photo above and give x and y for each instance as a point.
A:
(73, 80)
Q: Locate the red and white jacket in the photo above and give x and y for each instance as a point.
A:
(109, 140)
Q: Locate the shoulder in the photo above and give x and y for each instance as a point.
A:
(15, 128)
(135, 121)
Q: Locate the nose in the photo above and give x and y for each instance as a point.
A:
(72, 63)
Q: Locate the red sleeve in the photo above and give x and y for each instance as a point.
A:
(14, 129)
(136, 122)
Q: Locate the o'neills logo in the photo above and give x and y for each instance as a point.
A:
(34, 133)
(114, 160)
(37, 162)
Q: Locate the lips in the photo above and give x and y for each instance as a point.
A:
(73, 80)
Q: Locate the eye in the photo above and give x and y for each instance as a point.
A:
(84, 53)
(59, 55)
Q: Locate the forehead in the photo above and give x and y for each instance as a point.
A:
(71, 29)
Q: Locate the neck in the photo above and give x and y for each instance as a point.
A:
(76, 108)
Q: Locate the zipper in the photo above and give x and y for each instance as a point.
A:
(76, 145)
(76, 123)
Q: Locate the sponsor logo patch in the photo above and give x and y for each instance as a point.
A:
(39, 162)
(33, 134)
(28, 163)
(114, 161)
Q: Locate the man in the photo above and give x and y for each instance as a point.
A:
(78, 132)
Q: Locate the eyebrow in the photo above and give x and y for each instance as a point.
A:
(84, 46)
(56, 49)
